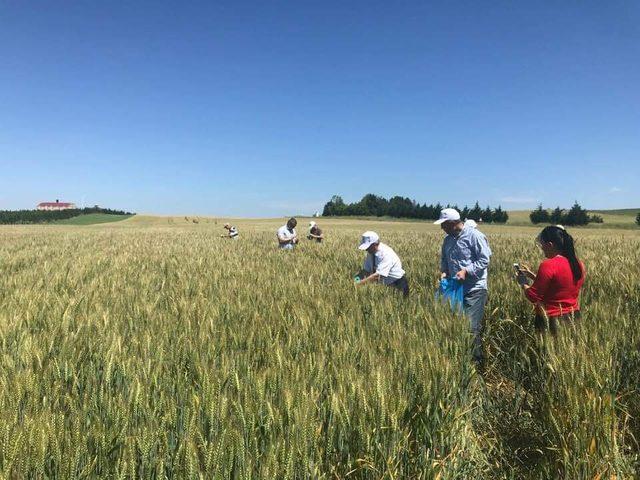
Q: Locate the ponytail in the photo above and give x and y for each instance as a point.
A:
(569, 253)
(564, 243)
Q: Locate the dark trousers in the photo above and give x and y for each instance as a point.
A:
(540, 321)
(401, 284)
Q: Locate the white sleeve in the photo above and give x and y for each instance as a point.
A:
(384, 266)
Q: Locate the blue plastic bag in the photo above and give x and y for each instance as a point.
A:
(451, 291)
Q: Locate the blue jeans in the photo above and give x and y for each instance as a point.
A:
(474, 303)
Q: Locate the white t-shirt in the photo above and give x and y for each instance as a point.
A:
(387, 264)
(286, 234)
(233, 232)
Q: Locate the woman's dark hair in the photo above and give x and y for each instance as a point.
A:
(564, 244)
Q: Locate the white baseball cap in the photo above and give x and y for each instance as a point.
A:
(368, 239)
(312, 224)
(448, 215)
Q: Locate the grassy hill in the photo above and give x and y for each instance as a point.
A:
(93, 219)
(623, 218)
(623, 212)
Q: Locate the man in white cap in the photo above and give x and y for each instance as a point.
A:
(465, 256)
(382, 264)
(232, 232)
(315, 233)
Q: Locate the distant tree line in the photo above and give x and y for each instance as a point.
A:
(638, 219)
(44, 216)
(402, 207)
(576, 215)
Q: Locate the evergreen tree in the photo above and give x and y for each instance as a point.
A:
(475, 213)
(436, 210)
(374, 205)
(576, 216)
(539, 215)
(335, 206)
(404, 207)
(557, 216)
(46, 216)
(499, 215)
(487, 215)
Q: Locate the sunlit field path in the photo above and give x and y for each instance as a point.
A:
(153, 348)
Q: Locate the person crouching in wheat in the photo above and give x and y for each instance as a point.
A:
(382, 264)
(232, 232)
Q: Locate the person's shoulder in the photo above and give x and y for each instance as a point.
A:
(549, 264)
(558, 260)
(384, 248)
(475, 233)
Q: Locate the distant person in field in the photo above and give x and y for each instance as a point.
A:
(315, 233)
(465, 257)
(556, 286)
(232, 232)
(287, 235)
(382, 264)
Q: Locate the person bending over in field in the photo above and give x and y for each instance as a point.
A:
(232, 232)
(315, 233)
(287, 235)
(556, 286)
(465, 256)
(382, 264)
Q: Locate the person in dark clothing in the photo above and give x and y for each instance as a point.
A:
(315, 232)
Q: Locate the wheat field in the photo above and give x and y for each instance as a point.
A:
(152, 348)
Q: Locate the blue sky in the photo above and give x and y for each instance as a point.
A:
(269, 108)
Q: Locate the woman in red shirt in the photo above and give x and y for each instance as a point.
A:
(557, 284)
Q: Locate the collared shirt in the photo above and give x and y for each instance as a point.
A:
(469, 250)
(385, 263)
(286, 234)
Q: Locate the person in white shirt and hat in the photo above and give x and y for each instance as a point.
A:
(232, 232)
(315, 233)
(382, 264)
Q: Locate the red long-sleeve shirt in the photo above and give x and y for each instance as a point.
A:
(554, 287)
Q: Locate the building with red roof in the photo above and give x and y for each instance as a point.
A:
(57, 205)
